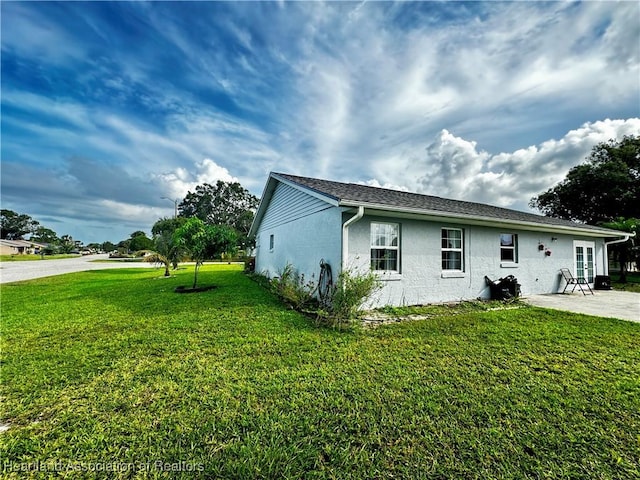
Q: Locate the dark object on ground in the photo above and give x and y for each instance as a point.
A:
(602, 282)
(183, 289)
(504, 288)
(250, 265)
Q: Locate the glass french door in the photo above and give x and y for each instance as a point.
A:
(584, 260)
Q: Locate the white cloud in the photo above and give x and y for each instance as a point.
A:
(130, 214)
(393, 93)
(453, 167)
(179, 182)
(367, 89)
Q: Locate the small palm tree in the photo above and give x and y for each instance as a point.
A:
(158, 258)
(167, 252)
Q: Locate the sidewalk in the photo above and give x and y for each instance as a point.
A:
(603, 303)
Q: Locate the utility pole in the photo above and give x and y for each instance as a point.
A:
(175, 206)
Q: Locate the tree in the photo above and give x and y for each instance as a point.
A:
(67, 244)
(107, 246)
(139, 241)
(225, 203)
(203, 241)
(166, 250)
(14, 225)
(603, 189)
(44, 235)
(626, 251)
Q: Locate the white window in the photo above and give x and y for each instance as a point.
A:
(271, 241)
(385, 247)
(508, 247)
(452, 249)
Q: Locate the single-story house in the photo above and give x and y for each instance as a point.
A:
(18, 247)
(425, 249)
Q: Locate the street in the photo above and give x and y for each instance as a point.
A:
(30, 269)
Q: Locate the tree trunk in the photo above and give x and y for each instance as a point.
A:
(166, 270)
(195, 275)
(623, 265)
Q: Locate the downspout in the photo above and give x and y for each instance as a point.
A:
(627, 236)
(345, 235)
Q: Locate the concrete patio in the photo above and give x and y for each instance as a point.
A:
(603, 303)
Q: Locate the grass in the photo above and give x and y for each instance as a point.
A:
(28, 256)
(632, 285)
(112, 366)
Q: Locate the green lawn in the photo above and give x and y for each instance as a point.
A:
(26, 257)
(632, 285)
(112, 366)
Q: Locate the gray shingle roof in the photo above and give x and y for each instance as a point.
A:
(351, 193)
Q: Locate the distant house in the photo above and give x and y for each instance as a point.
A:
(425, 249)
(18, 247)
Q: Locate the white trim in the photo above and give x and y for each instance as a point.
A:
(308, 190)
(453, 249)
(386, 210)
(453, 274)
(585, 244)
(395, 248)
(345, 235)
(606, 248)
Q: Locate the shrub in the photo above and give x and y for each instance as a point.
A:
(349, 293)
(291, 287)
(338, 308)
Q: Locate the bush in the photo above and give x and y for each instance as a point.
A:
(291, 287)
(339, 307)
(351, 290)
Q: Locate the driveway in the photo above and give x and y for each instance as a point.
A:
(603, 303)
(30, 269)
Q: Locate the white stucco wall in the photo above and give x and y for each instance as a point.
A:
(421, 279)
(305, 230)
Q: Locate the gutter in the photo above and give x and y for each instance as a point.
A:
(345, 235)
(626, 237)
(483, 220)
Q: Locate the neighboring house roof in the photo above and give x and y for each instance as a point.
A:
(387, 200)
(19, 243)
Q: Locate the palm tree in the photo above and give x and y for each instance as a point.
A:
(155, 257)
(167, 252)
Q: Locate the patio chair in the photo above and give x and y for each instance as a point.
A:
(576, 282)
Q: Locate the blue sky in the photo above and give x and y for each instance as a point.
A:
(107, 107)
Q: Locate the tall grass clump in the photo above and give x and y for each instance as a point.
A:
(292, 288)
(347, 296)
(340, 305)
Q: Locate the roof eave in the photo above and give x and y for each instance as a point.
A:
(267, 193)
(481, 220)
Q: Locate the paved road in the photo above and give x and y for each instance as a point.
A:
(27, 270)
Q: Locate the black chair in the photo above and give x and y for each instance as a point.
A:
(576, 282)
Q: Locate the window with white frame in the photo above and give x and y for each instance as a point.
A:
(452, 249)
(509, 247)
(385, 246)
